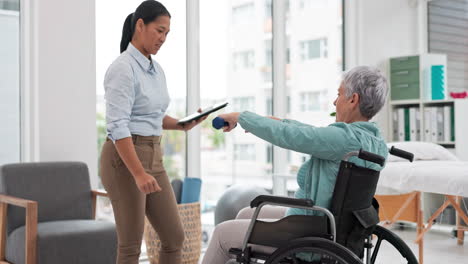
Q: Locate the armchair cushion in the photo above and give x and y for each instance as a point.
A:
(62, 190)
(76, 241)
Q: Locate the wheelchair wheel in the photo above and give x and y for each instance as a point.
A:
(324, 251)
(384, 234)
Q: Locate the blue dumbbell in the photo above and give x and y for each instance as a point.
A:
(219, 122)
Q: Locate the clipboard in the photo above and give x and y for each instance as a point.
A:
(205, 112)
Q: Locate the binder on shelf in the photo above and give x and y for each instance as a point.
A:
(407, 124)
(395, 124)
(412, 124)
(452, 123)
(401, 124)
(427, 124)
(440, 124)
(434, 131)
(447, 122)
(418, 123)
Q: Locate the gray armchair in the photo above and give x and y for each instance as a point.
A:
(47, 212)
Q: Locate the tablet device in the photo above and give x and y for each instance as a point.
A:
(204, 112)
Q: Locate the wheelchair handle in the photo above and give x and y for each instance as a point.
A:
(281, 200)
(401, 153)
(369, 156)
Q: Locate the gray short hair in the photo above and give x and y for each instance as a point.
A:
(371, 86)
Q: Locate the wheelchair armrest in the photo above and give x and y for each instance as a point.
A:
(401, 153)
(369, 156)
(279, 200)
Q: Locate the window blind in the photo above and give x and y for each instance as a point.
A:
(448, 34)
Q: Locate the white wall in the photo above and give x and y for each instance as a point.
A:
(379, 29)
(62, 112)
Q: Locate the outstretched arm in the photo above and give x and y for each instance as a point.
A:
(323, 142)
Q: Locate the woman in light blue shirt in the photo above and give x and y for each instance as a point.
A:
(131, 160)
(361, 95)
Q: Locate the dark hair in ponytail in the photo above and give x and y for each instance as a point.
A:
(149, 11)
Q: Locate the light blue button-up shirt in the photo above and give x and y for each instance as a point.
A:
(136, 96)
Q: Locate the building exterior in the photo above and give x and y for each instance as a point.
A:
(314, 65)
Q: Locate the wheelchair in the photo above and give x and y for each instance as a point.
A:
(336, 236)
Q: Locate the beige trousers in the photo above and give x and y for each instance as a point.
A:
(130, 205)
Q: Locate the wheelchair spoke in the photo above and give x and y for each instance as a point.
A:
(384, 234)
(376, 249)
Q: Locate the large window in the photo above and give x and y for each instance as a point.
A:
(10, 81)
(235, 65)
(316, 64)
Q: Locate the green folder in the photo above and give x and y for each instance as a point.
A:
(407, 124)
(452, 123)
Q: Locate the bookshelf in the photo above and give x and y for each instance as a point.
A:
(414, 116)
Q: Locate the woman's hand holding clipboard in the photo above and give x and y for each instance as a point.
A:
(194, 119)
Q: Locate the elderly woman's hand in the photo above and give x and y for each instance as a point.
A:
(232, 119)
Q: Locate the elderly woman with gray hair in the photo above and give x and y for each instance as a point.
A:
(361, 95)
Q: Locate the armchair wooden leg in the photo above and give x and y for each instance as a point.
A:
(31, 233)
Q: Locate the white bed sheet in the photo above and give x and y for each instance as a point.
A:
(435, 176)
